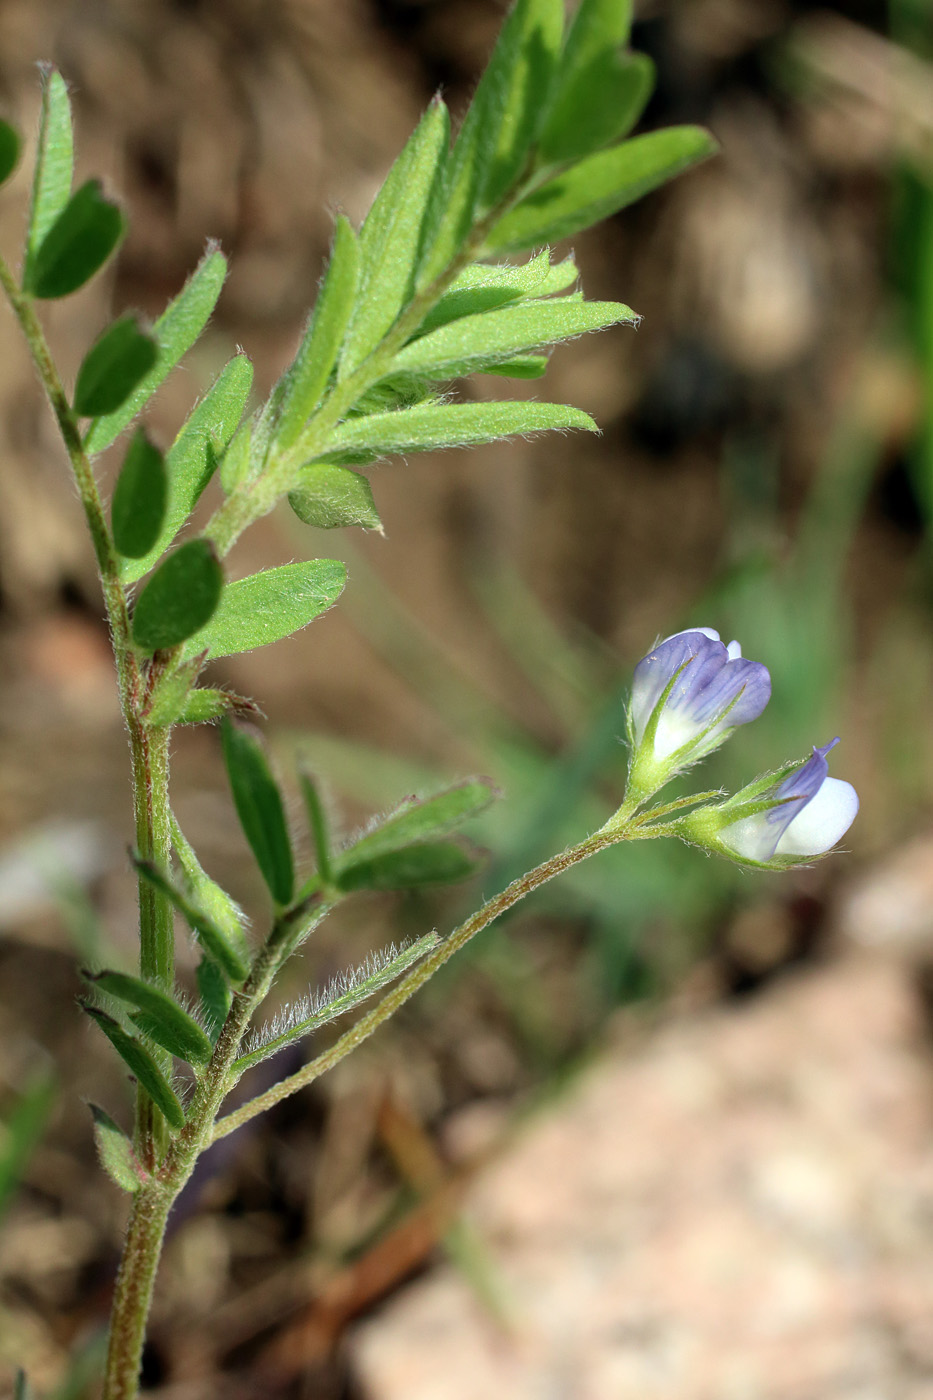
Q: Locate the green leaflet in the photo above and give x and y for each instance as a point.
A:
(474, 342)
(431, 863)
(206, 704)
(222, 910)
(598, 88)
(522, 367)
(176, 330)
(317, 821)
(112, 368)
(236, 461)
(165, 1021)
(179, 598)
(259, 806)
(54, 167)
(359, 983)
(599, 186)
(193, 456)
(435, 426)
(418, 819)
(331, 497)
(483, 287)
(267, 606)
(142, 1066)
(600, 106)
(498, 130)
(389, 237)
(306, 379)
(77, 245)
(115, 1152)
(10, 145)
(225, 949)
(138, 507)
(171, 692)
(216, 997)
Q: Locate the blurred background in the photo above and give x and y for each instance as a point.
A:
(688, 1110)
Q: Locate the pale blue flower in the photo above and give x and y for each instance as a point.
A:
(688, 695)
(811, 812)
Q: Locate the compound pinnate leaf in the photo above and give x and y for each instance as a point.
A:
(419, 819)
(10, 145)
(598, 186)
(165, 1021)
(431, 863)
(138, 506)
(115, 1152)
(332, 497)
(113, 367)
(142, 1066)
(192, 458)
(77, 245)
(268, 606)
(433, 426)
(54, 166)
(176, 330)
(260, 808)
(179, 598)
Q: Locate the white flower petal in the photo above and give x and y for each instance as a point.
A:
(734, 650)
(824, 820)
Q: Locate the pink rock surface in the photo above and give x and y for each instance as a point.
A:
(740, 1210)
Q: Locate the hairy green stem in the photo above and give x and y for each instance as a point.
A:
(416, 979)
(149, 747)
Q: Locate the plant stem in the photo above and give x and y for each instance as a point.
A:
(149, 747)
(133, 1295)
(416, 979)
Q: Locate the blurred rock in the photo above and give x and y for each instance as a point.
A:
(742, 1209)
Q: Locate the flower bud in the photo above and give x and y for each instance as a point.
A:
(687, 697)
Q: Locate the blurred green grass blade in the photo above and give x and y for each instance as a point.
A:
(389, 240)
(179, 598)
(306, 379)
(54, 168)
(142, 1066)
(113, 367)
(433, 426)
(82, 238)
(22, 1132)
(167, 1023)
(138, 506)
(332, 498)
(265, 607)
(176, 330)
(260, 808)
(192, 459)
(474, 342)
(598, 186)
(10, 146)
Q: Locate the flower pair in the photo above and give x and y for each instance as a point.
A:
(688, 695)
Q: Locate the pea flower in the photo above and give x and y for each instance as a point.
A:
(688, 695)
(779, 820)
